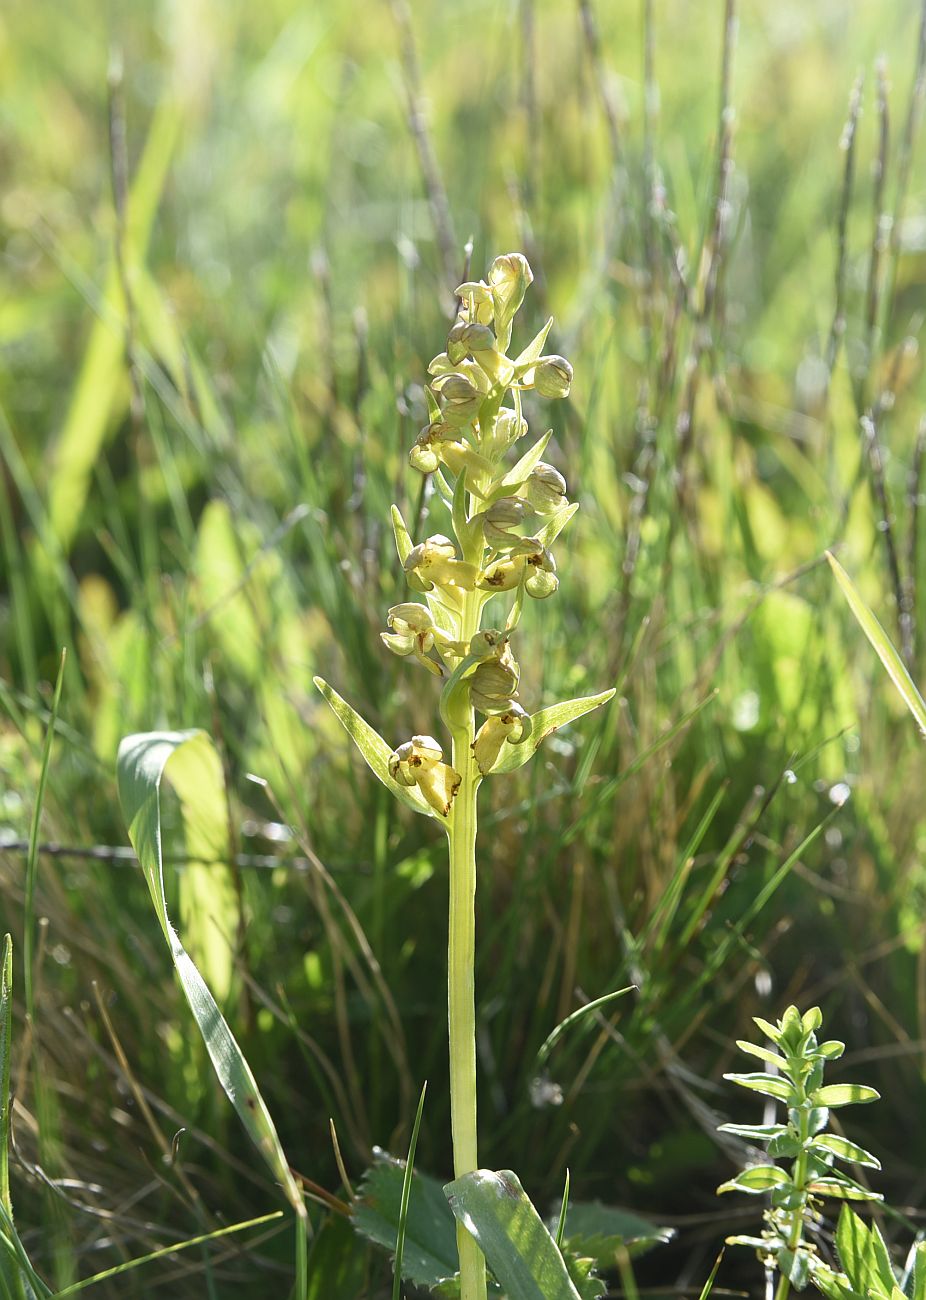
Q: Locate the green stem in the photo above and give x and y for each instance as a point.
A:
(799, 1178)
(461, 981)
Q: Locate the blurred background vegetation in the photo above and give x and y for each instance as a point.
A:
(229, 235)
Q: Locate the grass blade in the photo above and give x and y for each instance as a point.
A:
(142, 762)
(406, 1193)
(167, 1250)
(882, 644)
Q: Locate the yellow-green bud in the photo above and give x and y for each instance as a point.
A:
(456, 348)
(494, 685)
(509, 277)
(460, 399)
(553, 377)
(545, 489)
(541, 580)
(506, 431)
(506, 513)
(477, 338)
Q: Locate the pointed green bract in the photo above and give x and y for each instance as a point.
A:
(543, 723)
(374, 749)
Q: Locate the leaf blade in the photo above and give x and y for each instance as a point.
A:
(523, 1257)
(882, 644)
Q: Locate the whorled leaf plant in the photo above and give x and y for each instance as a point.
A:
(504, 516)
(794, 1063)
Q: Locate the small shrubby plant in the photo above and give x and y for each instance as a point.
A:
(817, 1159)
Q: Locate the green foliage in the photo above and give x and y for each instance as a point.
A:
(193, 495)
(799, 1060)
(430, 1253)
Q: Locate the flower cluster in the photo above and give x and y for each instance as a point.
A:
(504, 520)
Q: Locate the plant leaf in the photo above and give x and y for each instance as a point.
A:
(374, 750)
(844, 1094)
(141, 764)
(919, 1272)
(841, 1188)
(602, 1230)
(542, 724)
(519, 1249)
(760, 1178)
(882, 644)
(846, 1150)
(403, 1200)
(430, 1251)
(755, 1132)
(770, 1085)
(763, 1053)
(521, 469)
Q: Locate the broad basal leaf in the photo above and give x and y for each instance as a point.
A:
(523, 1257)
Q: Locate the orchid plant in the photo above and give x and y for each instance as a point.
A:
(504, 518)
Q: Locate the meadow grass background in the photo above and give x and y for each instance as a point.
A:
(224, 271)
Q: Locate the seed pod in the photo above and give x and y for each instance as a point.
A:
(545, 489)
(553, 377)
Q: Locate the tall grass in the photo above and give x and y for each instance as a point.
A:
(207, 391)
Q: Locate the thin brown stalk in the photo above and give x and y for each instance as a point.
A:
(609, 107)
(905, 156)
(885, 525)
(427, 159)
(914, 492)
(711, 257)
(847, 144)
(880, 225)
